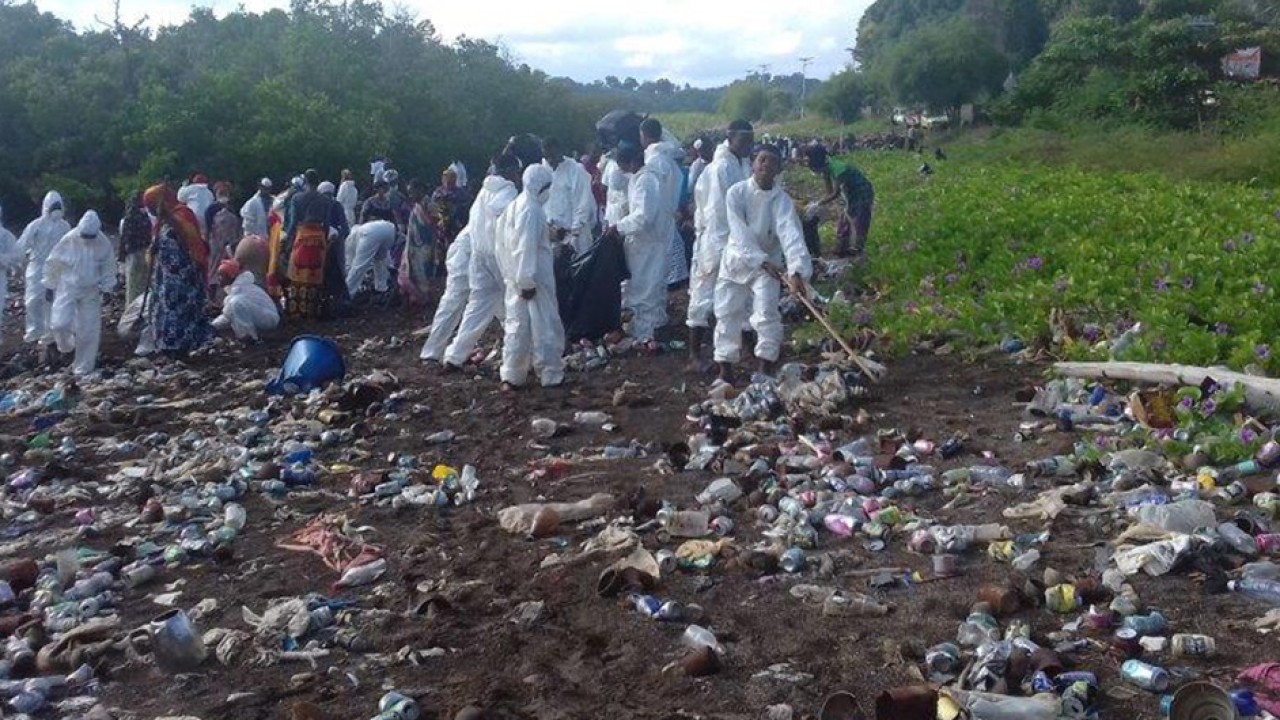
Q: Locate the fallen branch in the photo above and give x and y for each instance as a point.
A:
(1260, 392)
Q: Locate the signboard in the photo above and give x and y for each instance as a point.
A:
(1245, 64)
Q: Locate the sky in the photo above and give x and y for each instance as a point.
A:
(701, 42)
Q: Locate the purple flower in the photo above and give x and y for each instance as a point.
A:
(1158, 344)
(1160, 284)
(1100, 442)
(1208, 407)
(1034, 262)
(1222, 329)
(1247, 238)
(1092, 332)
(951, 278)
(1262, 351)
(1247, 435)
(1259, 289)
(1278, 214)
(1188, 282)
(1229, 246)
(1186, 403)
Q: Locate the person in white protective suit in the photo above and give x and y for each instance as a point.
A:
(247, 308)
(644, 246)
(764, 232)
(571, 208)
(660, 157)
(615, 184)
(348, 197)
(372, 243)
(81, 267)
(488, 292)
(730, 165)
(256, 210)
(10, 261)
(35, 242)
(197, 196)
(457, 288)
(533, 334)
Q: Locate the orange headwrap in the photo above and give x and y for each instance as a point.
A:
(163, 203)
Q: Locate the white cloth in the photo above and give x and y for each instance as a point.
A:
(377, 169)
(253, 216)
(646, 253)
(453, 302)
(372, 243)
(198, 197)
(247, 309)
(348, 197)
(81, 266)
(36, 241)
(615, 197)
(10, 261)
(571, 205)
(660, 158)
(712, 227)
(763, 227)
(533, 333)
(695, 171)
(460, 171)
(487, 292)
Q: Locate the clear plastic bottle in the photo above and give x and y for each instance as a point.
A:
(685, 523)
(696, 636)
(1267, 591)
(1239, 540)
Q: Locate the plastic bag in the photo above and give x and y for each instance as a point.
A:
(129, 326)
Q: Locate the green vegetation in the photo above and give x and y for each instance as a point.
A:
(325, 85)
(986, 251)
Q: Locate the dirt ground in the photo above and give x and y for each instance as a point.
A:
(589, 657)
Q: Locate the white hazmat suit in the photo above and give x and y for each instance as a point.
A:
(254, 214)
(198, 197)
(646, 251)
(81, 266)
(10, 261)
(36, 241)
(615, 196)
(348, 197)
(247, 309)
(712, 225)
(571, 205)
(369, 246)
(487, 291)
(763, 227)
(660, 159)
(453, 302)
(533, 333)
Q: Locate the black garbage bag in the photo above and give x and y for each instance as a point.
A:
(618, 126)
(589, 290)
(811, 238)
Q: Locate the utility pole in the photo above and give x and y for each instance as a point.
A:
(764, 70)
(804, 81)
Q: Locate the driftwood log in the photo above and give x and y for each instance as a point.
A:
(1260, 392)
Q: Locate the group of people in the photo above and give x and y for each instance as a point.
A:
(311, 251)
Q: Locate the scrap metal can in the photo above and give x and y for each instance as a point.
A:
(1145, 675)
(1188, 645)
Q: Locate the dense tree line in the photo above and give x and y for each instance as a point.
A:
(1155, 62)
(99, 113)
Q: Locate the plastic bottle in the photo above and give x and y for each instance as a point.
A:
(722, 490)
(1262, 570)
(234, 516)
(993, 706)
(685, 523)
(1183, 516)
(1267, 591)
(1239, 540)
(696, 636)
(1057, 466)
(363, 574)
(591, 417)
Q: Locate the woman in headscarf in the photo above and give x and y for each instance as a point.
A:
(175, 307)
(418, 265)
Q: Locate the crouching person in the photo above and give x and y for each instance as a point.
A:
(764, 233)
(80, 268)
(247, 308)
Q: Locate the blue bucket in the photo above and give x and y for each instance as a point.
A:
(312, 362)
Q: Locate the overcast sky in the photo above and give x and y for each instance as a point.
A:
(701, 42)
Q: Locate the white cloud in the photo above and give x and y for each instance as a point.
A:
(708, 43)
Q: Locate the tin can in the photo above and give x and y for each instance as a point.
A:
(1041, 683)
(1269, 454)
(1234, 492)
(667, 561)
(1268, 502)
(943, 658)
(804, 537)
(1003, 600)
(767, 514)
(792, 561)
(1064, 680)
(888, 516)
(1061, 598)
(722, 525)
(1099, 619)
(944, 565)
(788, 505)
(1150, 624)
(1246, 705)
(1076, 699)
(1188, 645)
(1145, 675)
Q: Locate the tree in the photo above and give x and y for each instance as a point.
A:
(843, 96)
(744, 100)
(944, 65)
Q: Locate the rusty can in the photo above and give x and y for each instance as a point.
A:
(1188, 645)
(914, 702)
(944, 565)
(1124, 644)
(1003, 600)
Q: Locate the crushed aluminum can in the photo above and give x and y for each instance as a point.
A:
(792, 561)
